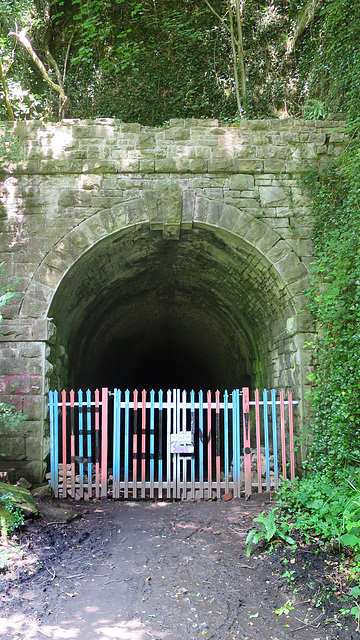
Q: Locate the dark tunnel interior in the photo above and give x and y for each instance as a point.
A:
(140, 311)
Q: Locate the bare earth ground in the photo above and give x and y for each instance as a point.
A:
(167, 570)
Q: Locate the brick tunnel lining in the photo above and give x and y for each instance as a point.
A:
(140, 311)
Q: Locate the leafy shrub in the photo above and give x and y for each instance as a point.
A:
(270, 529)
(318, 508)
(12, 517)
(9, 417)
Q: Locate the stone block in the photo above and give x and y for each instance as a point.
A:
(194, 123)
(244, 203)
(32, 447)
(290, 268)
(177, 133)
(300, 323)
(229, 217)
(242, 223)
(191, 165)
(272, 196)
(223, 165)
(201, 209)
(12, 447)
(147, 165)
(215, 210)
(337, 136)
(130, 127)
(21, 384)
(32, 407)
(145, 141)
(23, 330)
(250, 165)
(165, 165)
(273, 165)
(242, 182)
(99, 166)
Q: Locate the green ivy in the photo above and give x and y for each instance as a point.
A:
(335, 303)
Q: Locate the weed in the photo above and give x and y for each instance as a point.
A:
(270, 530)
(290, 576)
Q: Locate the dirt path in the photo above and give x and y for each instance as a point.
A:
(155, 570)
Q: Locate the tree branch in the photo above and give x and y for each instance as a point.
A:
(221, 20)
(6, 93)
(236, 78)
(240, 51)
(304, 18)
(25, 42)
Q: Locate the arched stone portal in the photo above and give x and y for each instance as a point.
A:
(176, 256)
(140, 310)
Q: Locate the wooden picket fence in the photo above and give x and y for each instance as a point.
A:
(173, 445)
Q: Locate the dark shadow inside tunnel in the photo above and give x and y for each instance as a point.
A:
(140, 311)
(162, 364)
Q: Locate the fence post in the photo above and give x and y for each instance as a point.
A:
(247, 447)
(258, 439)
(275, 439)
(291, 430)
(64, 443)
(266, 439)
(88, 441)
(81, 443)
(104, 440)
(116, 443)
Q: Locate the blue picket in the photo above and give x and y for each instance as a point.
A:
(152, 441)
(116, 443)
(201, 444)
(54, 441)
(266, 438)
(88, 440)
(226, 441)
(192, 467)
(81, 444)
(160, 457)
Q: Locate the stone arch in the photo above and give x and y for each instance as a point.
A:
(243, 282)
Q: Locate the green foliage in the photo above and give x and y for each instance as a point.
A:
(314, 110)
(333, 72)
(25, 87)
(324, 507)
(335, 303)
(15, 518)
(269, 531)
(152, 60)
(317, 508)
(9, 417)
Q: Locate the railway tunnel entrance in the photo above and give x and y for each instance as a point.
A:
(141, 311)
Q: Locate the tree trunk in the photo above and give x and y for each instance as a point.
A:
(25, 42)
(304, 18)
(241, 52)
(6, 93)
(235, 62)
